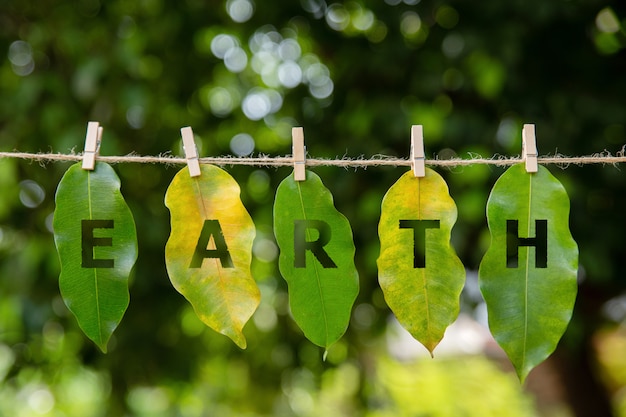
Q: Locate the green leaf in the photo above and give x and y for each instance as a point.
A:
(316, 258)
(418, 271)
(528, 275)
(209, 251)
(95, 236)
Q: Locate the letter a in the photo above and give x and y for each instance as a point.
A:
(301, 244)
(211, 228)
(539, 242)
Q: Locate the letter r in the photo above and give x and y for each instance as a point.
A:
(301, 244)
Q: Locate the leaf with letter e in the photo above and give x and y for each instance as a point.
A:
(418, 271)
(528, 275)
(209, 251)
(95, 236)
(316, 258)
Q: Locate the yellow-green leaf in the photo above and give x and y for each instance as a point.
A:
(316, 258)
(95, 236)
(418, 271)
(528, 275)
(209, 251)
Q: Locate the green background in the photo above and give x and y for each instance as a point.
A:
(356, 75)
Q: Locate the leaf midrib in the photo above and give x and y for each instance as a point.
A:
(95, 270)
(317, 277)
(221, 285)
(424, 286)
(526, 272)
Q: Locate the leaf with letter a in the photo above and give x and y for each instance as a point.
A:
(316, 258)
(209, 251)
(528, 275)
(95, 236)
(418, 271)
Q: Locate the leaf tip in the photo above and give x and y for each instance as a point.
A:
(240, 341)
(236, 335)
(522, 374)
(430, 346)
(102, 346)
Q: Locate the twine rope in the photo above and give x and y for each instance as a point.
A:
(604, 158)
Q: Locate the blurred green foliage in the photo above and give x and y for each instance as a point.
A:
(356, 75)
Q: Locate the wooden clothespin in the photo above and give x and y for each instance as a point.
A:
(93, 138)
(417, 151)
(299, 154)
(191, 151)
(529, 148)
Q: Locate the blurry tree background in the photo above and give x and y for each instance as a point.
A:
(356, 74)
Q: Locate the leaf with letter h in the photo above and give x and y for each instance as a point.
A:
(209, 251)
(316, 258)
(418, 271)
(528, 275)
(95, 236)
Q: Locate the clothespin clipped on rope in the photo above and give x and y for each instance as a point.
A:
(191, 151)
(93, 138)
(417, 151)
(299, 154)
(529, 148)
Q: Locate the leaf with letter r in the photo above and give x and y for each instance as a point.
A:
(94, 232)
(316, 258)
(420, 274)
(209, 251)
(528, 275)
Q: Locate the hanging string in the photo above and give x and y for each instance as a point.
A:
(377, 160)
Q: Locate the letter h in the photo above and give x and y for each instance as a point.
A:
(540, 243)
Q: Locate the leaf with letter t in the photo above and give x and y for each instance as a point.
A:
(316, 258)
(418, 271)
(209, 251)
(528, 275)
(95, 236)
